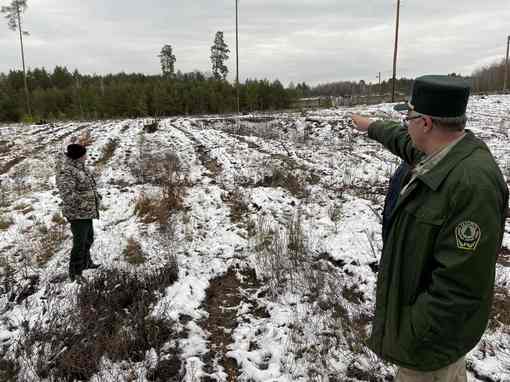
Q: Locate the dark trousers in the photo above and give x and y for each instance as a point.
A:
(83, 237)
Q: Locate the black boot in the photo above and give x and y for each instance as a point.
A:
(92, 265)
(76, 277)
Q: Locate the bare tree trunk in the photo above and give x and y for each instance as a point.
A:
(27, 98)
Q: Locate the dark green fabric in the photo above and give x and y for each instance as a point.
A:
(83, 237)
(438, 96)
(433, 299)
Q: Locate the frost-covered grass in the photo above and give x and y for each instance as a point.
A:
(272, 224)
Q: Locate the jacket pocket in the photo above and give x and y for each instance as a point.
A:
(419, 249)
(413, 329)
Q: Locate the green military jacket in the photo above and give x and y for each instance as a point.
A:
(437, 269)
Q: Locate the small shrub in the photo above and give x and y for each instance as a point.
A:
(152, 210)
(85, 138)
(133, 252)
(58, 218)
(112, 320)
(237, 203)
(9, 370)
(108, 151)
(353, 294)
(7, 280)
(284, 174)
(4, 195)
(151, 127)
(47, 240)
(24, 208)
(5, 222)
(335, 213)
(500, 313)
(209, 162)
(20, 176)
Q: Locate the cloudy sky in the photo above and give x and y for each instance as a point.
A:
(292, 40)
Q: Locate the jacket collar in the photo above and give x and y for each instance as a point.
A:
(461, 150)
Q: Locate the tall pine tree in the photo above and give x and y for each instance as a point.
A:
(219, 54)
(13, 16)
(167, 59)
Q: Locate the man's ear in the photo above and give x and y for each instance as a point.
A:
(427, 127)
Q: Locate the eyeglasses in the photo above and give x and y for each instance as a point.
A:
(407, 119)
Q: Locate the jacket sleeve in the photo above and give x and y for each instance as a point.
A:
(66, 184)
(464, 265)
(395, 138)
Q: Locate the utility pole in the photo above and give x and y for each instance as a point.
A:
(506, 65)
(27, 98)
(395, 54)
(237, 55)
(379, 76)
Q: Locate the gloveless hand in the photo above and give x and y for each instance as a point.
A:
(361, 123)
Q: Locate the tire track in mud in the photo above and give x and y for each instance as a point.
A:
(226, 294)
(224, 300)
(202, 153)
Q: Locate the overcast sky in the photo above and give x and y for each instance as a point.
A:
(315, 41)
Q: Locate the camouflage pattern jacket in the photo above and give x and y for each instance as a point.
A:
(77, 189)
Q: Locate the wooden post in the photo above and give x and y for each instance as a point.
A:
(506, 65)
(395, 54)
(237, 55)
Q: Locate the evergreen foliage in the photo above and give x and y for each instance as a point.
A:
(219, 54)
(167, 59)
(61, 94)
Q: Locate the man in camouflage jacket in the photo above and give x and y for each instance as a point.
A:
(77, 189)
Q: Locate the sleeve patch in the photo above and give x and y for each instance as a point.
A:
(468, 235)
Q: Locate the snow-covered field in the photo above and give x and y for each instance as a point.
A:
(277, 240)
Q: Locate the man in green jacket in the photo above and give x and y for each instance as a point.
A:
(437, 269)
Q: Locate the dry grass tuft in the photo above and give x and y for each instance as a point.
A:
(500, 314)
(285, 173)
(112, 320)
(47, 240)
(108, 151)
(151, 127)
(167, 175)
(212, 164)
(5, 222)
(24, 208)
(58, 219)
(133, 252)
(85, 138)
(152, 209)
(238, 205)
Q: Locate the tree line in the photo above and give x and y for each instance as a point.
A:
(490, 78)
(61, 94)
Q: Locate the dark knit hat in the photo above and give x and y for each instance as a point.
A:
(438, 96)
(75, 151)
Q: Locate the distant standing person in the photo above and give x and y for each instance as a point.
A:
(442, 237)
(80, 205)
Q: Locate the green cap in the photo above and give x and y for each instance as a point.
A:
(438, 96)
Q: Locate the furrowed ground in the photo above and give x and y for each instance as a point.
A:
(230, 251)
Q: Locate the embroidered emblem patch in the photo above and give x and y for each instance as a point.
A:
(467, 235)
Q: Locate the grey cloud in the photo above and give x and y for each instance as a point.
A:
(302, 40)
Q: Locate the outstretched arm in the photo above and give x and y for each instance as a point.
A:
(390, 134)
